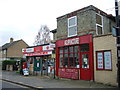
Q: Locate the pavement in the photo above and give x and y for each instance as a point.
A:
(38, 81)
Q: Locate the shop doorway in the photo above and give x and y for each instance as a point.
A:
(84, 62)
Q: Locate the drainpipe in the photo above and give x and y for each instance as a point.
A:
(118, 42)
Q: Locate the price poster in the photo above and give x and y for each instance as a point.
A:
(100, 60)
(107, 60)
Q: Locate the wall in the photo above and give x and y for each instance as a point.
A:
(106, 42)
(16, 49)
(86, 23)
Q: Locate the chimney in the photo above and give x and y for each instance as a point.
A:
(11, 40)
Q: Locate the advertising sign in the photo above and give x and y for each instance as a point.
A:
(69, 73)
(100, 60)
(28, 50)
(107, 60)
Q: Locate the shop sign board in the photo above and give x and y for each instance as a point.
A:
(41, 53)
(28, 50)
(71, 41)
(47, 48)
(69, 73)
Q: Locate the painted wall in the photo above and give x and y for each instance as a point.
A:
(107, 42)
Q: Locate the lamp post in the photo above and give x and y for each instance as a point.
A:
(118, 41)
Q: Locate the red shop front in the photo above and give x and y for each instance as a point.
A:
(74, 58)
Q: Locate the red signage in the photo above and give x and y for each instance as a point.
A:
(39, 49)
(41, 53)
(72, 41)
(69, 73)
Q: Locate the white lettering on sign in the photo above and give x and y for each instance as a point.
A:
(28, 50)
(71, 41)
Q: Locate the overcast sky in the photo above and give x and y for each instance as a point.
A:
(22, 19)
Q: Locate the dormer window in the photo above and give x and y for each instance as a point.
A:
(99, 24)
(72, 26)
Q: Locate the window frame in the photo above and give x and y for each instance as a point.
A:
(99, 25)
(103, 52)
(75, 25)
(73, 65)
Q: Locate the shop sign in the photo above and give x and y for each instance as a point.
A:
(47, 48)
(44, 48)
(69, 73)
(72, 41)
(27, 50)
(37, 49)
(41, 53)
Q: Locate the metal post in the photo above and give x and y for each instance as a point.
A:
(118, 42)
(54, 68)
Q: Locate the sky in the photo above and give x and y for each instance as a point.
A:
(22, 19)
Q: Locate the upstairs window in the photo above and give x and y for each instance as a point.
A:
(72, 26)
(99, 24)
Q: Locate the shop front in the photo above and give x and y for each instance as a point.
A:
(39, 59)
(74, 58)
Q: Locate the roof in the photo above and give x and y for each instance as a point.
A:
(90, 7)
(7, 45)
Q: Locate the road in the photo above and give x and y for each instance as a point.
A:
(11, 85)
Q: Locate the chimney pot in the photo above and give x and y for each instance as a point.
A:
(11, 40)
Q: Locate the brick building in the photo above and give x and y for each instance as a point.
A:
(85, 47)
(13, 49)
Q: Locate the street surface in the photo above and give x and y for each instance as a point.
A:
(46, 82)
(10, 85)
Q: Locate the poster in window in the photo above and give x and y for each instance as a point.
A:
(107, 60)
(100, 60)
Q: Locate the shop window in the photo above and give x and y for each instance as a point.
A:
(65, 60)
(84, 47)
(99, 24)
(65, 49)
(70, 56)
(61, 60)
(76, 48)
(71, 60)
(103, 60)
(72, 26)
(71, 49)
(85, 61)
(61, 50)
(76, 59)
